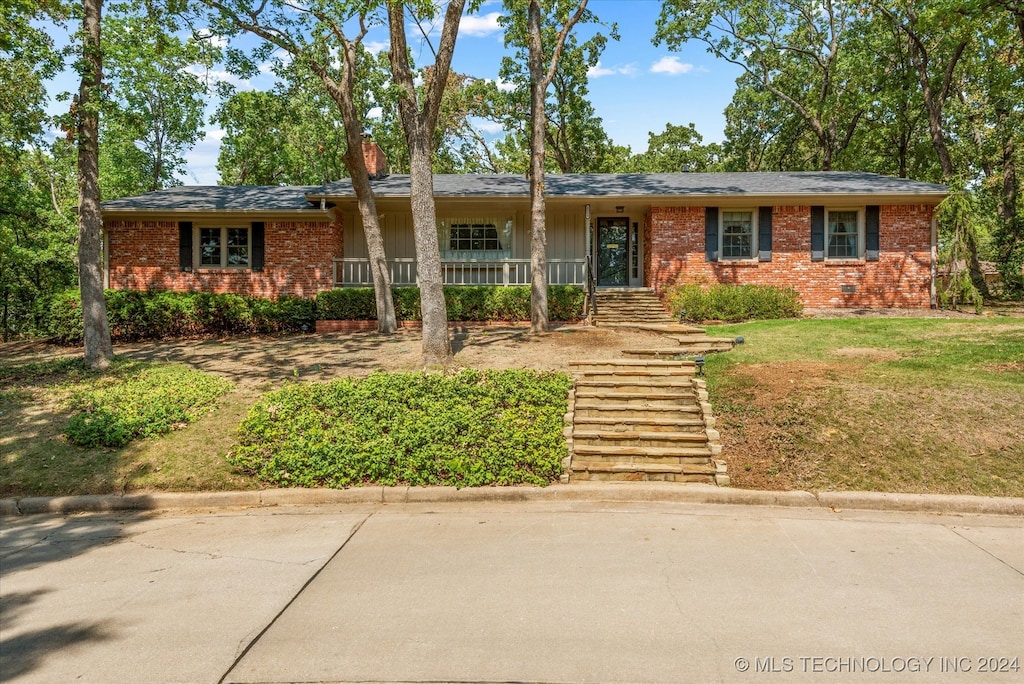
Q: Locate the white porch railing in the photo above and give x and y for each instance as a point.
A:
(350, 272)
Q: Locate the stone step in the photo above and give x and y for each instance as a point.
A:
(642, 423)
(674, 352)
(594, 398)
(598, 364)
(605, 409)
(682, 381)
(666, 440)
(704, 467)
(638, 454)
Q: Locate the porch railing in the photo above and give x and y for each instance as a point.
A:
(350, 272)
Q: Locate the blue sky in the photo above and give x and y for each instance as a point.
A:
(637, 87)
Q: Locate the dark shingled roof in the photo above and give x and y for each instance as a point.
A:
(218, 197)
(612, 185)
(651, 185)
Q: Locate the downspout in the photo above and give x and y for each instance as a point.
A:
(935, 259)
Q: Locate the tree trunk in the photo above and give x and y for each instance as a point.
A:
(538, 127)
(419, 125)
(98, 349)
(437, 348)
(367, 202)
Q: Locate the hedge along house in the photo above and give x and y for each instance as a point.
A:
(840, 239)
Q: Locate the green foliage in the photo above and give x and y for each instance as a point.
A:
(733, 303)
(464, 303)
(160, 314)
(470, 429)
(139, 400)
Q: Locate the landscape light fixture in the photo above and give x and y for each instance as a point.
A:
(739, 340)
(700, 364)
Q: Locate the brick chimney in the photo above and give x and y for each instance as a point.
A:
(376, 162)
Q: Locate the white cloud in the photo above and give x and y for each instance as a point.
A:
(217, 75)
(376, 46)
(375, 113)
(479, 25)
(216, 134)
(505, 86)
(597, 71)
(208, 36)
(491, 127)
(671, 66)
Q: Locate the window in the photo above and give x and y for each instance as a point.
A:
(843, 235)
(737, 234)
(475, 239)
(223, 247)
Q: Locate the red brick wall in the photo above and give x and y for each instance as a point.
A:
(297, 260)
(901, 278)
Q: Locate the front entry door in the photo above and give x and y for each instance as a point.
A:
(613, 251)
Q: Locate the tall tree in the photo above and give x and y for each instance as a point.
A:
(152, 111)
(678, 148)
(543, 40)
(419, 121)
(314, 34)
(98, 349)
(795, 49)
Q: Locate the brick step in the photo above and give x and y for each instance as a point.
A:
(641, 423)
(637, 454)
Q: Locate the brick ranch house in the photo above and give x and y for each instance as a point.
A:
(840, 239)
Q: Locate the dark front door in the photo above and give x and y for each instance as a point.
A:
(613, 251)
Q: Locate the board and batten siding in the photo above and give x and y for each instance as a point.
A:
(565, 232)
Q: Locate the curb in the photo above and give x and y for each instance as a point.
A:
(609, 492)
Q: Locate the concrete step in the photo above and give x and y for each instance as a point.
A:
(594, 398)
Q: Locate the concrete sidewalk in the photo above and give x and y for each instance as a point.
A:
(538, 591)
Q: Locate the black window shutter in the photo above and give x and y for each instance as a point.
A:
(185, 245)
(871, 221)
(257, 245)
(817, 233)
(764, 234)
(711, 233)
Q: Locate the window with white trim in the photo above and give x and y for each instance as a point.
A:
(475, 239)
(737, 232)
(844, 234)
(222, 247)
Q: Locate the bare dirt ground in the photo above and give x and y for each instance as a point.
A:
(258, 360)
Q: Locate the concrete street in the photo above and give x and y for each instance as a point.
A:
(558, 591)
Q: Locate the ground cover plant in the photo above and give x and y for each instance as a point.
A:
(469, 429)
(886, 404)
(68, 429)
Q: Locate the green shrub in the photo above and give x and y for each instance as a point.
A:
(470, 429)
(463, 303)
(138, 400)
(159, 314)
(733, 303)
